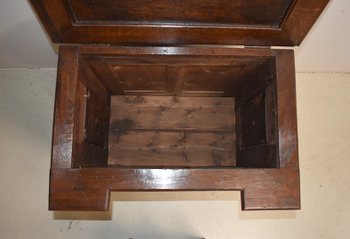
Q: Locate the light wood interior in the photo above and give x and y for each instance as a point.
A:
(171, 131)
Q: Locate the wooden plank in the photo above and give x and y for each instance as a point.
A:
(180, 60)
(181, 113)
(91, 119)
(193, 12)
(253, 122)
(96, 120)
(287, 110)
(92, 82)
(207, 78)
(105, 75)
(65, 107)
(163, 131)
(89, 188)
(165, 22)
(140, 77)
(175, 75)
(256, 119)
(172, 149)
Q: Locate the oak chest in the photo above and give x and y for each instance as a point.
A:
(175, 95)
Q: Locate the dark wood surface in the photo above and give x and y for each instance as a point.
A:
(89, 189)
(256, 118)
(170, 131)
(65, 108)
(286, 109)
(196, 12)
(169, 75)
(165, 22)
(92, 119)
(81, 178)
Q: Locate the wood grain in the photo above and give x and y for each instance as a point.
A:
(91, 120)
(159, 75)
(166, 22)
(65, 108)
(88, 189)
(163, 131)
(187, 12)
(256, 109)
(158, 149)
(177, 113)
(287, 109)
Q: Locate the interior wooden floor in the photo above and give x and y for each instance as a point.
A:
(172, 131)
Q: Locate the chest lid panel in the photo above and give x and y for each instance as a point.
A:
(168, 22)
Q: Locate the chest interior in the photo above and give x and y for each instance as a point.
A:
(176, 111)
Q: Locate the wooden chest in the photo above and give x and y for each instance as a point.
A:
(175, 95)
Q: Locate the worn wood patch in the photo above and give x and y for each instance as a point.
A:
(163, 131)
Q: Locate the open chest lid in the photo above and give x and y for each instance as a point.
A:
(170, 22)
